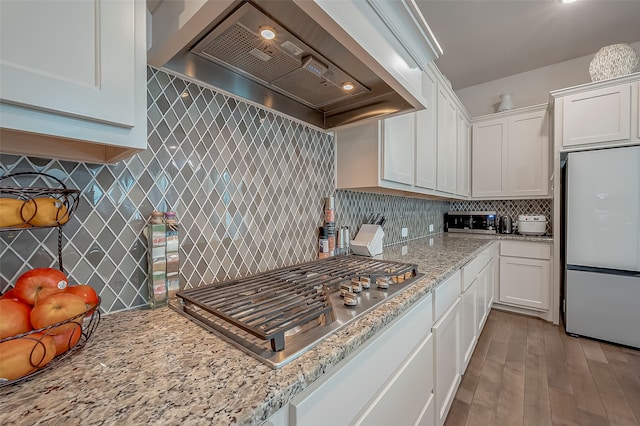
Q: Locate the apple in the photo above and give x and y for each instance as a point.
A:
(86, 292)
(14, 318)
(56, 308)
(39, 283)
(19, 357)
(10, 294)
(65, 341)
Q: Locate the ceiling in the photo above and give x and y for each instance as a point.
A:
(485, 40)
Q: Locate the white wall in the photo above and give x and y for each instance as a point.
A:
(528, 88)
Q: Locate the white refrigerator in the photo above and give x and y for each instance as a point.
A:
(602, 223)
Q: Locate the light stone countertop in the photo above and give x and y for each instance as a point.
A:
(158, 367)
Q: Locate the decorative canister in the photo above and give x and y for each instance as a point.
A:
(613, 61)
(506, 103)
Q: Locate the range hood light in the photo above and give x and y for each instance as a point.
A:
(267, 33)
(348, 85)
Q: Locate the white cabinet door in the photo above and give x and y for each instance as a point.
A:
(426, 135)
(398, 139)
(489, 159)
(69, 57)
(482, 302)
(528, 154)
(73, 79)
(463, 181)
(447, 365)
(493, 284)
(600, 115)
(447, 142)
(406, 395)
(525, 282)
(468, 334)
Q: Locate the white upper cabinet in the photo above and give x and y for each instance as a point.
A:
(488, 165)
(71, 73)
(463, 166)
(447, 142)
(597, 115)
(398, 142)
(510, 154)
(426, 135)
(59, 57)
(426, 152)
(600, 115)
(528, 154)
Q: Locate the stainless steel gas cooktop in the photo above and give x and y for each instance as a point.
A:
(278, 315)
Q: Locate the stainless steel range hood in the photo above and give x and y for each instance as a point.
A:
(302, 72)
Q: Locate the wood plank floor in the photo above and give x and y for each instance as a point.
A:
(525, 371)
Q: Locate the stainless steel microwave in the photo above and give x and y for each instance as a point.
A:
(482, 222)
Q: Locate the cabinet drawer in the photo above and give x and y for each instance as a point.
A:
(338, 397)
(471, 270)
(405, 396)
(446, 294)
(525, 249)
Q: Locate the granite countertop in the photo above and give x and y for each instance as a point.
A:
(158, 367)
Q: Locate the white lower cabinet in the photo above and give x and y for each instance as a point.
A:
(493, 284)
(279, 418)
(408, 393)
(525, 274)
(353, 388)
(482, 297)
(447, 366)
(468, 331)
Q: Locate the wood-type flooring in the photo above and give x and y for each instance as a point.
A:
(525, 371)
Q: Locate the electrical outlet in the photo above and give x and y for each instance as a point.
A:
(431, 227)
(405, 250)
(405, 232)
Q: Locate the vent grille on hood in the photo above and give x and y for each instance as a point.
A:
(238, 47)
(284, 64)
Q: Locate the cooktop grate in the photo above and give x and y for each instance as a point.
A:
(269, 304)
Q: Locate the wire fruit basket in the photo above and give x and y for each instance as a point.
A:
(32, 207)
(32, 350)
(27, 207)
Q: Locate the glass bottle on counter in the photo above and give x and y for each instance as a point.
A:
(157, 281)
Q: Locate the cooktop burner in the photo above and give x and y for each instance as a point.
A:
(277, 315)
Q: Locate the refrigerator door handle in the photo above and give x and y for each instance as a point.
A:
(606, 271)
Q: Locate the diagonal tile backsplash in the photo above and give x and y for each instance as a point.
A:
(247, 185)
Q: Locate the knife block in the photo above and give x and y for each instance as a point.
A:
(368, 242)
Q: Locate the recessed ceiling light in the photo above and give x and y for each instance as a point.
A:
(348, 85)
(267, 33)
(568, 1)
